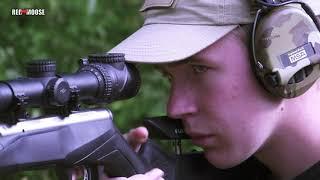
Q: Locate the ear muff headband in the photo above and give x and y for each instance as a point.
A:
(274, 76)
(305, 7)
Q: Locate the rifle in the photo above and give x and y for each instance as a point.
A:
(68, 135)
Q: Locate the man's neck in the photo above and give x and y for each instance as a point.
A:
(292, 149)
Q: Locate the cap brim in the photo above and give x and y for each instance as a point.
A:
(161, 43)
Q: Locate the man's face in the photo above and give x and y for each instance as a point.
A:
(222, 106)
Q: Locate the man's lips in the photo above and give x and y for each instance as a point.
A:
(201, 139)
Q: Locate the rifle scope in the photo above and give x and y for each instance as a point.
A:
(101, 78)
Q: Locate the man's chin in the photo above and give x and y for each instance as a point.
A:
(221, 161)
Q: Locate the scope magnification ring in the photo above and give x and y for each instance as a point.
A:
(104, 80)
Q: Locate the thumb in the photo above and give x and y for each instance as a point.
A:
(136, 137)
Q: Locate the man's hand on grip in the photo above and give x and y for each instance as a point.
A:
(136, 137)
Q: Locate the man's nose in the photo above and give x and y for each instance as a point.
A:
(181, 102)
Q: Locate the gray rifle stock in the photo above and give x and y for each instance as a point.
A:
(83, 138)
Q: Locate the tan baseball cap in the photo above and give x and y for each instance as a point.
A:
(177, 29)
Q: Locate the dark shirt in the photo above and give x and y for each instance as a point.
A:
(254, 170)
(195, 166)
(313, 173)
(251, 169)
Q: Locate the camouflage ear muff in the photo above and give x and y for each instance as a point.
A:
(286, 47)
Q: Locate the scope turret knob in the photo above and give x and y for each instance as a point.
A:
(106, 58)
(58, 91)
(41, 68)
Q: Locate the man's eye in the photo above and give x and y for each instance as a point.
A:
(199, 68)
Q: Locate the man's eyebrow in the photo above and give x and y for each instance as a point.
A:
(163, 67)
(194, 59)
(173, 64)
(207, 61)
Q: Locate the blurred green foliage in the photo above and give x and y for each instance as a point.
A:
(68, 31)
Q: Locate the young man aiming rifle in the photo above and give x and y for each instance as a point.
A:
(243, 80)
